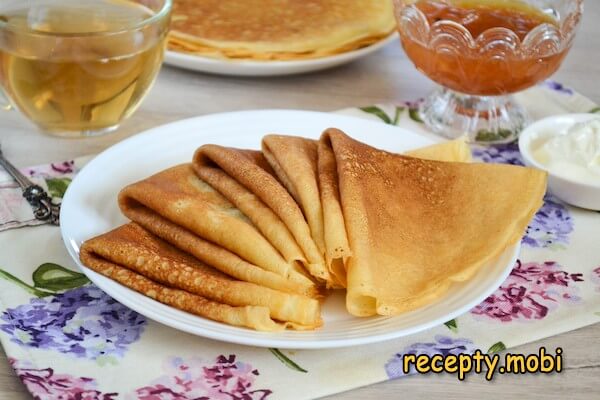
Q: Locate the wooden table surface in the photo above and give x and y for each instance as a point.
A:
(384, 77)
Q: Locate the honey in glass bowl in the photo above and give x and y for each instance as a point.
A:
(476, 72)
(480, 52)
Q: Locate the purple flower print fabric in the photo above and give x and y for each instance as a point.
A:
(83, 322)
(222, 379)
(46, 384)
(532, 291)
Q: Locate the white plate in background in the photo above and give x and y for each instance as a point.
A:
(222, 66)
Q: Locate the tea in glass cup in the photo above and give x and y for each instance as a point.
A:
(78, 68)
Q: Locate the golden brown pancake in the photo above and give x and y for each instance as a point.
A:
(139, 260)
(307, 169)
(248, 316)
(278, 29)
(248, 170)
(265, 220)
(336, 237)
(415, 226)
(295, 162)
(175, 202)
(214, 255)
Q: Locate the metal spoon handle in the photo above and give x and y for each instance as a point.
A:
(21, 179)
(43, 207)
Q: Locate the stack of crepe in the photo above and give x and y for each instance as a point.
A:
(278, 29)
(256, 238)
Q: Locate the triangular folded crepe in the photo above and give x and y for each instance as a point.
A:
(415, 226)
(250, 171)
(141, 261)
(182, 209)
(216, 256)
(265, 220)
(307, 168)
(296, 162)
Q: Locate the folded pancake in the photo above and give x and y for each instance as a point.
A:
(216, 256)
(336, 237)
(278, 29)
(249, 170)
(416, 226)
(265, 220)
(295, 162)
(136, 258)
(336, 240)
(247, 316)
(178, 196)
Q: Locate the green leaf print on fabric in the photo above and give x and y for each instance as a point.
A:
(452, 325)
(28, 288)
(286, 361)
(496, 347)
(399, 111)
(48, 279)
(378, 112)
(413, 113)
(489, 136)
(382, 115)
(54, 277)
(595, 110)
(58, 186)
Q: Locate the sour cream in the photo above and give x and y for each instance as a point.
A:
(572, 155)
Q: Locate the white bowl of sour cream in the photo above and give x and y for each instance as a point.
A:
(568, 148)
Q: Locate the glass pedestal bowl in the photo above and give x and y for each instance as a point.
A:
(477, 72)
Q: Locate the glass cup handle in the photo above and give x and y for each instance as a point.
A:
(4, 103)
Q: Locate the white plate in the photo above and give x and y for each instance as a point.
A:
(90, 208)
(269, 68)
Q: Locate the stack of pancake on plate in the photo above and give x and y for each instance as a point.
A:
(258, 238)
(278, 29)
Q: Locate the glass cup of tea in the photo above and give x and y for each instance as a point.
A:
(480, 52)
(80, 67)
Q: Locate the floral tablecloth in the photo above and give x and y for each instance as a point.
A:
(66, 339)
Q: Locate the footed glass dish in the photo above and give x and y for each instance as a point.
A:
(480, 52)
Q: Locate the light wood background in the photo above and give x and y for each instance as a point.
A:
(385, 77)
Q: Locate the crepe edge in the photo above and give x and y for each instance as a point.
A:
(182, 43)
